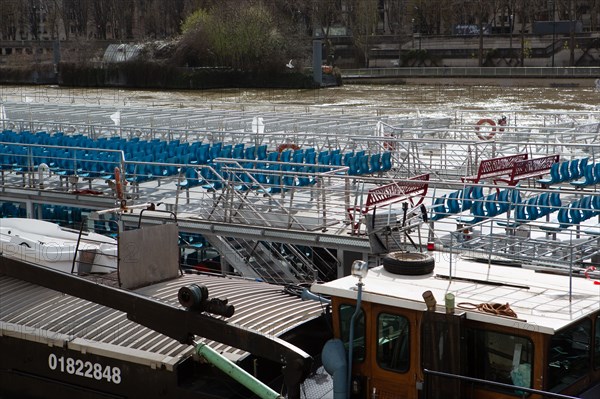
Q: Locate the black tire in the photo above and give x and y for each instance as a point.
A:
(409, 263)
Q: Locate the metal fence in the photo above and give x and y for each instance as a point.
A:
(487, 72)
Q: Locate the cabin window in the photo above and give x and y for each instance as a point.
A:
(597, 344)
(393, 349)
(501, 358)
(346, 312)
(569, 355)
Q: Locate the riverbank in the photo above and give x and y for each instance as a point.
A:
(507, 77)
(500, 82)
(150, 75)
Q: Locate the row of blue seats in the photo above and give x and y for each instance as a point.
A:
(302, 161)
(198, 152)
(62, 215)
(576, 212)
(12, 210)
(492, 205)
(95, 164)
(272, 177)
(135, 148)
(565, 171)
(60, 161)
(534, 208)
(537, 207)
(591, 176)
(455, 202)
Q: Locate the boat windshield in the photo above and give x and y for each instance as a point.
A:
(569, 355)
(500, 357)
(393, 351)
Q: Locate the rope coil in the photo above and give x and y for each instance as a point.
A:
(493, 308)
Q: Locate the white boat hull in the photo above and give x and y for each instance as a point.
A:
(47, 244)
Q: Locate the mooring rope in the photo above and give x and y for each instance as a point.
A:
(494, 308)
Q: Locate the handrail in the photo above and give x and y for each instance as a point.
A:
(493, 72)
(496, 384)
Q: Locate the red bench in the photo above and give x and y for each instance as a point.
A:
(494, 167)
(390, 194)
(529, 168)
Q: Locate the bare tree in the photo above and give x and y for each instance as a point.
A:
(9, 15)
(103, 12)
(75, 17)
(325, 14)
(362, 21)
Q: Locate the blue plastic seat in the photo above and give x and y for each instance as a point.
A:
(438, 208)
(346, 156)
(596, 204)
(310, 156)
(492, 205)
(215, 150)
(475, 192)
(192, 179)
(298, 156)
(555, 201)
(543, 204)
(563, 221)
(452, 202)
(203, 154)
(375, 163)
(575, 212)
(597, 173)
(238, 151)
(520, 215)
(587, 211)
(583, 162)
(588, 178)
(514, 198)
(574, 168)
(211, 180)
(531, 209)
(565, 173)
(465, 199)
(352, 163)
(386, 161)
(503, 201)
(261, 152)
(285, 156)
(363, 164)
(306, 178)
(478, 212)
(227, 151)
(555, 176)
(273, 156)
(323, 157)
(250, 153)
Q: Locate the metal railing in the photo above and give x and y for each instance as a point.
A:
(524, 391)
(486, 72)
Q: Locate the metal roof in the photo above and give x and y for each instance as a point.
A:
(47, 314)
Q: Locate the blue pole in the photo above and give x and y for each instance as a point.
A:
(351, 337)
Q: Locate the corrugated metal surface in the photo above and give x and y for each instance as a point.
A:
(258, 306)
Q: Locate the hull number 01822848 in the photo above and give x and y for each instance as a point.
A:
(85, 369)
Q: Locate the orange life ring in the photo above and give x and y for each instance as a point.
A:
(283, 147)
(492, 132)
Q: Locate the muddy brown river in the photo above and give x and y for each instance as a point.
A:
(354, 98)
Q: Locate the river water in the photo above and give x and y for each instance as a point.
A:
(362, 99)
